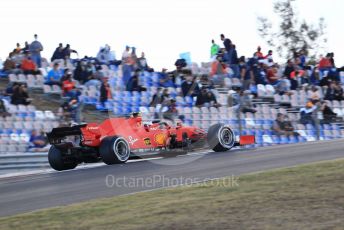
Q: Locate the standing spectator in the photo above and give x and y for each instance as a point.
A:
(105, 92)
(67, 51)
(259, 53)
(246, 73)
(269, 56)
(35, 49)
(20, 96)
(127, 67)
(26, 48)
(234, 61)
(54, 76)
(58, 53)
(142, 63)
(226, 42)
(218, 70)
(214, 49)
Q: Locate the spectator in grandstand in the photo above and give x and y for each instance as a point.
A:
(105, 56)
(205, 81)
(171, 112)
(282, 126)
(226, 42)
(17, 50)
(246, 73)
(306, 113)
(245, 101)
(3, 110)
(206, 98)
(127, 65)
(68, 86)
(133, 57)
(234, 61)
(58, 53)
(159, 97)
(289, 68)
(325, 63)
(26, 48)
(165, 79)
(38, 141)
(283, 88)
(105, 92)
(328, 114)
(54, 75)
(303, 58)
(67, 51)
(214, 49)
(20, 95)
(142, 63)
(272, 75)
(259, 53)
(332, 60)
(269, 56)
(334, 92)
(28, 66)
(80, 72)
(133, 83)
(10, 65)
(314, 94)
(218, 70)
(189, 86)
(35, 50)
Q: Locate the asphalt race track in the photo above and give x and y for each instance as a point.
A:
(31, 192)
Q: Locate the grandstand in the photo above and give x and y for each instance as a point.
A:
(15, 130)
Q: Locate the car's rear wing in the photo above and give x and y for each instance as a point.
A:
(58, 134)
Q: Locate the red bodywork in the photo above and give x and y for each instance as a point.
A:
(138, 135)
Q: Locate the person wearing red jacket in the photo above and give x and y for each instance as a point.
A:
(28, 66)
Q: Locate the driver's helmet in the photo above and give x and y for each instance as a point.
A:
(138, 117)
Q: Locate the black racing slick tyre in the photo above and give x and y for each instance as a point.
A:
(220, 138)
(114, 150)
(57, 162)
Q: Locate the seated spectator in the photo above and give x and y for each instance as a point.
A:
(80, 72)
(133, 83)
(165, 79)
(28, 66)
(218, 68)
(334, 92)
(314, 95)
(325, 63)
(283, 88)
(189, 86)
(289, 69)
(328, 115)
(68, 86)
(306, 113)
(171, 111)
(206, 82)
(258, 53)
(3, 110)
(246, 105)
(10, 65)
(105, 92)
(54, 76)
(159, 97)
(58, 53)
(206, 98)
(38, 141)
(20, 96)
(282, 126)
(272, 75)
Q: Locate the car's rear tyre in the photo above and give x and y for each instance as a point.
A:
(57, 162)
(114, 150)
(220, 138)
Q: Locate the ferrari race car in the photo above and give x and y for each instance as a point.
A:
(116, 139)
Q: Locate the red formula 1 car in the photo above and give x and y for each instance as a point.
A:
(117, 139)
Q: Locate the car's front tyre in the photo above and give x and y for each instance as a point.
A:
(114, 150)
(220, 138)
